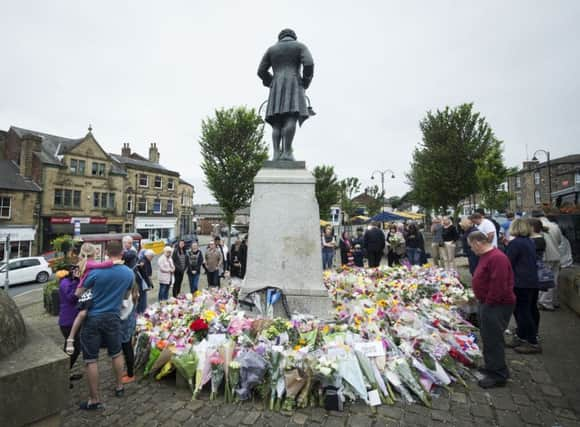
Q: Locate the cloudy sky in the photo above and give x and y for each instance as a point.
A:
(149, 71)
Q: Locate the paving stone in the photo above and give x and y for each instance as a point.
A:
(530, 417)
(508, 418)
(391, 412)
(437, 415)
(541, 377)
(360, 408)
(505, 403)
(565, 413)
(251, 418)
(419, 410)
(482, 411)
(360, 420)
(441, 403)
(459, 397)
(550, 390)
(182, 415)
(299, 419)
(521, 399)
(335, 422)
(416, 419)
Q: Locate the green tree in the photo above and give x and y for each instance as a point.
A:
(348, 188)
(491, 172)
(233, 152)
(395, 202)
(376, 200)
(327, 189)
(443, 169)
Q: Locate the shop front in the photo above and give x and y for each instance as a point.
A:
(154, 229)
(21, 241)
(60, 225)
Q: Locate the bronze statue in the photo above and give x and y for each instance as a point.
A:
(287, 101)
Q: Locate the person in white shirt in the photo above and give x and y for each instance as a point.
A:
(549, 300)
(486, 226)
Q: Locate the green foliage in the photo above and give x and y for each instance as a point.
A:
(491, 173)
(395, 202)
(376, 200)
(233, 152)
(348, 188)
(443, 169)
(62, 243)
(327, 189)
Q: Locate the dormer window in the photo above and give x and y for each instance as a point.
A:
(98, 169)
(77, 167)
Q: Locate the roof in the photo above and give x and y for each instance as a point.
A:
(10, 178)
(216, 210)
(51, 144)
(183, 181)
(138, 162)
(569, 159)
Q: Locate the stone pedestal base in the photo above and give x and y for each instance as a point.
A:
(284, 248)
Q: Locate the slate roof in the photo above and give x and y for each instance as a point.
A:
(139, 162)
(10, 178)
(51, 144)
(183, 181)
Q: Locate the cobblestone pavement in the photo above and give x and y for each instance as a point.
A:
(544, 390)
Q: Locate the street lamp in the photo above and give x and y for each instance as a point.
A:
(534, 158)
(383, 173)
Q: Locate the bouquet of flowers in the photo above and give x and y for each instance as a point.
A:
(233, 378)
(186, 365)
(252, 370)
(200, 328)
(217, 374)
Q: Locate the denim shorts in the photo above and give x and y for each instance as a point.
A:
(101, 329)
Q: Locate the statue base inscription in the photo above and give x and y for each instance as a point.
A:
(284, 248)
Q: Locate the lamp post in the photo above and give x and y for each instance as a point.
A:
(383, 173)
(547, 153)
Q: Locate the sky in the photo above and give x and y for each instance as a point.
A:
(149, 71)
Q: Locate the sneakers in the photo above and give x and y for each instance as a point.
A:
(127, 379)
(543, 307)
(490, 382)
(514, 342)
(527, 348)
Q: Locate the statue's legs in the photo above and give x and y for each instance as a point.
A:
(288, 131)
(276, 140)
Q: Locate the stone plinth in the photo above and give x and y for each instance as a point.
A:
(284, 248)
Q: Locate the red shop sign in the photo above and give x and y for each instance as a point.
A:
(60, 220)
(98, 220)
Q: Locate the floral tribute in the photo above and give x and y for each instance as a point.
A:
(396, 334)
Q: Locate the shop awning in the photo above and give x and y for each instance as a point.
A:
(18, 234)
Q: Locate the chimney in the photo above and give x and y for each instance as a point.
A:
(153, 153)
(530, 164)
(126, 150)
(29, 145)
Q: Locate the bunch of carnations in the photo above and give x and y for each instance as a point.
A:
(217, 374)
(199, 328)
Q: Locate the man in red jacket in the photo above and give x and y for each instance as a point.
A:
(493, 285)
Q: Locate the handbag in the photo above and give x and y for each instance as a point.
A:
(546, 277)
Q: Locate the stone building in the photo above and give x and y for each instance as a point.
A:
(80, 183)
(19, 210)
(210, 218)
(185, 191)
(529, 187)
(151, 198)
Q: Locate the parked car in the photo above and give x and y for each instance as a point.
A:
(24, 270)
(224, 232)
(187, 238)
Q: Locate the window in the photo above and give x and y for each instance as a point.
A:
(5, 207)
(537, 178)
(183, 198)
(157, 206)
(518, 200)
(77, 167)
(98, 169)
(103, 200)
(142, 205)
(170, 184)
(537, 197)
(158, 183)
(67, 199)
(170, 206)
(577, 178)
(30, 262)
(143, 180)
(518, 182)
(130, 204)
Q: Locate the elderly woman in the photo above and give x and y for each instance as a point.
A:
(166, 270)
(493, 286)
(144, 272)
(521, 252)
(213, 259)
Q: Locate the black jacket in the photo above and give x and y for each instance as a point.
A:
(374, 240)
(175, 257)
(195, 260)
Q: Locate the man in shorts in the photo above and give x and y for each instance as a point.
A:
(102, 325)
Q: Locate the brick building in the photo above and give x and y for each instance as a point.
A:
(529, 187)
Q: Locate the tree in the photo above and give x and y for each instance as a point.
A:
(491, 173)
(376, 200)
(395, 202)
(327, 189)
(348, 188)
(443, 169)
(233, 152)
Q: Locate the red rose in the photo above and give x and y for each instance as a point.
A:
(198, 325)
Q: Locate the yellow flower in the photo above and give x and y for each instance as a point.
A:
(325, 329)
(197, 293)
(369, 311)
(209, 315)
(382, 303)
(297, 347)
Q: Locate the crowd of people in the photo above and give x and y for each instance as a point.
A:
(100, 301)
(514, 268)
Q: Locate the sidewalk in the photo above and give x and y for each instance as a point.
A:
(544, 391)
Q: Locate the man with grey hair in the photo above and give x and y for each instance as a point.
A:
(129, 252)
(493, 286)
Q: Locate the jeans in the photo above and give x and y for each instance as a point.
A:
(163, 292)
(213, 278)
(101, 329)
(526, 319)
(414, 256)
(193, 281)
(493, 321)
(550, 298)
(65, 330)
(142, 301)
(327, 258)
(177, 283)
